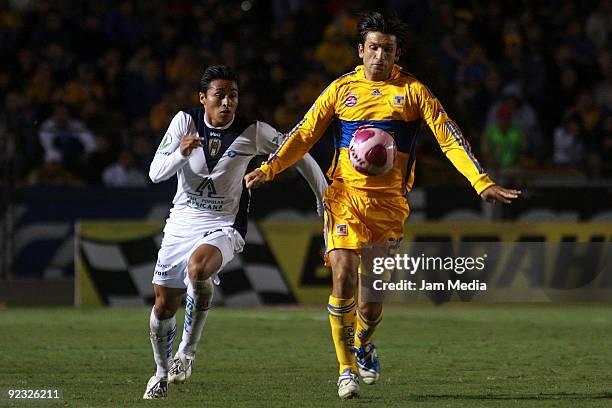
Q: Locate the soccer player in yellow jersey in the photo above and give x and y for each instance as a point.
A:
(362, 209)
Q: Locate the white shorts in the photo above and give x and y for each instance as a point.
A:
(173, 256)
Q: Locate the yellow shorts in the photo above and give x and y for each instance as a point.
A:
(354, 219)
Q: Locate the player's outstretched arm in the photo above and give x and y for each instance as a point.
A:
(496, 193)
(254, 179)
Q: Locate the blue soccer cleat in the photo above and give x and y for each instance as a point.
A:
(367, 362)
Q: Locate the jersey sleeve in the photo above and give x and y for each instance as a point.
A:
(267, 138)
(168, 158)
(304, 135)
(451, 140)
(268, 141)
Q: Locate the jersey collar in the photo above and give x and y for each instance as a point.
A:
(395, 72)
(219, 127)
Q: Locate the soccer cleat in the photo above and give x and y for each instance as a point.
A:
(180, 369)
(348, 384)
(157, 388)
(368, 364)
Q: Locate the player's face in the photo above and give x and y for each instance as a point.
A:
(379, 52)
(220, 101)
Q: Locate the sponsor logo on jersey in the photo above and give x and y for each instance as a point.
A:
(351, 100)
(399, 100)
(205, 197)
(376, 92)
(278, 139)
(207, 185)
(233, 153)
(214, 146)
(341, 230)
(165, 141)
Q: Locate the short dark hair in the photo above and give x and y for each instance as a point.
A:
(217, 72)
(386, 24)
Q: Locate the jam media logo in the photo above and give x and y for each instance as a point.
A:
(351, 100)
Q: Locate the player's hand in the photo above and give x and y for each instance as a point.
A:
(254, 179)
(190, 142)
(496, 193)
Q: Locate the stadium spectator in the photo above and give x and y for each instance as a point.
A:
(124, 173)
(603, 88)
(503, 141)
(568, 143)
(523, 117)
(121, 26)
(599, 24)
(20, 133)
(66, 138)
(334, 53)
(52, 173)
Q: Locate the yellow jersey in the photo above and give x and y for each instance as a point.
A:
(399, 105)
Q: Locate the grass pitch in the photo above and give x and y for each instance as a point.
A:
(456, 355)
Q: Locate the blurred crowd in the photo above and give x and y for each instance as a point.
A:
(89, 87)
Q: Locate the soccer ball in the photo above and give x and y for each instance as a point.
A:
(372, 151)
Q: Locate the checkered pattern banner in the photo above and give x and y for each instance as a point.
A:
(119, 272)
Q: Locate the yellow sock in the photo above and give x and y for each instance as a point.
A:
(365, 329)
(341, 314)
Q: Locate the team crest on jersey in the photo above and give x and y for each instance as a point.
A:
(214, 146)
(165, 141)
(398, 100)
(351, 100)
(376, 92)
(341, 230)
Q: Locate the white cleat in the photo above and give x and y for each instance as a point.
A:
(180, 368)
(157, 388)
(348, 384)
(368, 363)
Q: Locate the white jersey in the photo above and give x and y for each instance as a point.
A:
(210, 191)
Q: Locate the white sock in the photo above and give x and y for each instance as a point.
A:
(162, 337)
(197, 302)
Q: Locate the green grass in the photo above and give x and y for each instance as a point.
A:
(457, 355)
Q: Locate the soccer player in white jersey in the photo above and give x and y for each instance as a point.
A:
(209, 149)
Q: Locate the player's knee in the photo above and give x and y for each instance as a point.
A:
(165, 307)
(371, 311)
(345, 279)
(201, 269)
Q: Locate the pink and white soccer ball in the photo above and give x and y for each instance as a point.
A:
(372, 151)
